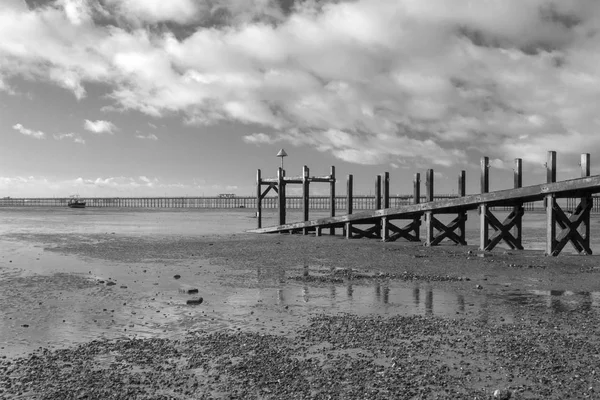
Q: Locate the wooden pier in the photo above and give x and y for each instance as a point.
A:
(563, 225)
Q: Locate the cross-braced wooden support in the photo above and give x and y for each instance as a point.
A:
(435, 230)
(352, 232)
(570, 231)
(574, 228)
(409, 232)
(510, 230)
(432, 224)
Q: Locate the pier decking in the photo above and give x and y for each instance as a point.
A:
(562, 228)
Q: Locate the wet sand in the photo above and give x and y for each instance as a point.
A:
(286, 316)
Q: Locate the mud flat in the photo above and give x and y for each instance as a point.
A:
(102, 316)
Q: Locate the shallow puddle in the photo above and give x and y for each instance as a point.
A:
(53, 300)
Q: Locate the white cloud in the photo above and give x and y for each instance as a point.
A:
(29, 132)
(100, 126)
(122, 186)
(73, 136)
(147, 137)
(259, 138)
(370, 81)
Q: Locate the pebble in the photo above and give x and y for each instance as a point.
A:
(195, 301)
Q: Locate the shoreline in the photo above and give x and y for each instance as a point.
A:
(526, 323)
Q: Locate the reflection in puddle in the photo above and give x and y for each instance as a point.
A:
(556, 300)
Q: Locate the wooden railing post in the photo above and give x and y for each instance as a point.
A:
(518, 210)
(305, 195)
(332, 196)
(385, 232)
(588, 200)
(462, 192)
(429, 214)
(417, 189)
(485, 187)
(550, 205)
(349, 199)
(378, 192)
(281, 195)
(386, 190)
(258, 199)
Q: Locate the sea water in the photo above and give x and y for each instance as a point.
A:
(202, 222)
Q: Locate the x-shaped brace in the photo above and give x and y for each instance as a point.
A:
(569, 227)
(446, 232)
(503, 229)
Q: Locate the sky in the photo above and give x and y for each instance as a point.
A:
(190, 97)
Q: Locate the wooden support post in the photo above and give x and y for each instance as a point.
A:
(428, 228)
(332, 197)
(258, 200)
(462, 192)
(429, 185)
(585, 172)
(485, 187)
(518, 209)
(305, 195)
(417, 189)
(378, 192)
(385, 231)
(485, 174)
(386, 190)
(281, 195)
(429, 224)
(551, 167)
(349, 188)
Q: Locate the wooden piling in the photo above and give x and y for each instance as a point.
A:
(483, 208)
(429, 185)
(258, 199)
(378, 192)
(281, 195)
(386, 190)
(429, 214)
(332, 197)
(349, 199)
(586, 219)
(417, 189)
(305, 195)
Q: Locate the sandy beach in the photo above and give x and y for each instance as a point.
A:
(291, 316)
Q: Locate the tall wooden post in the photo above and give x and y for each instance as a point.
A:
(429, 185)
(305, 195)
(258, 200)
(386, 190)
(550, 204)
(378, 192)
(417, 189)
(429, 214)
(551, 167)
(518, 210)
(281, 195)
(484, 233)
(462, 215)
(417, 200)
(385, 229)
(585, 172)
(332, 197)
(349, 186)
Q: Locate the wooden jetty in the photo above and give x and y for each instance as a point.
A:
(380, 223)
